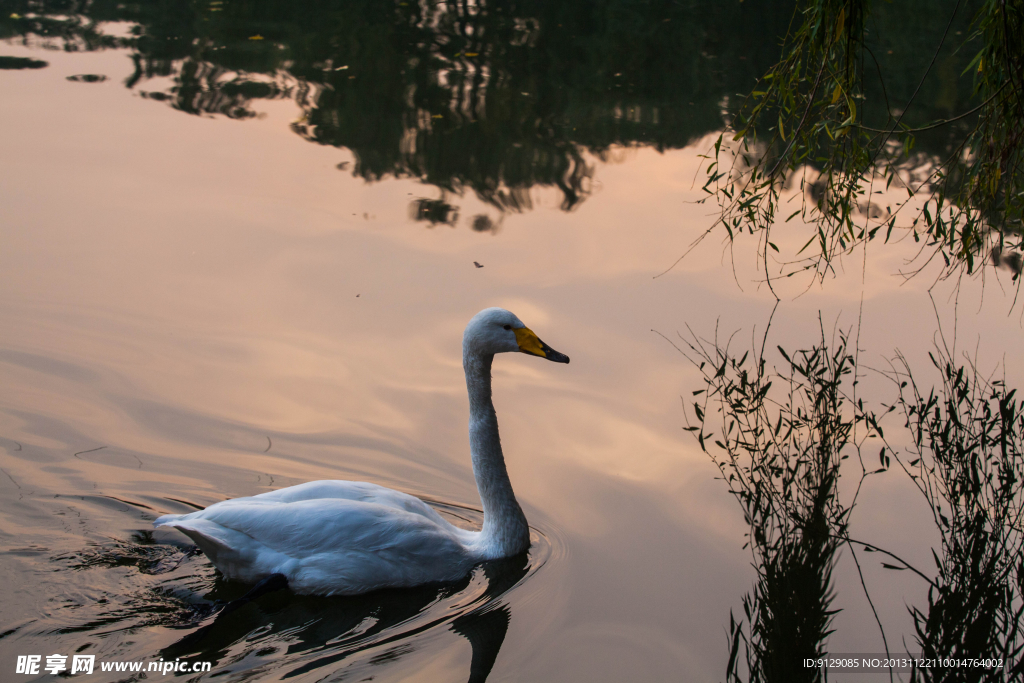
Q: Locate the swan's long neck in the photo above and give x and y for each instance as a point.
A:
(505, 529)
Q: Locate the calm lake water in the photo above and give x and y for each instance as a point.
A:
(238, 248)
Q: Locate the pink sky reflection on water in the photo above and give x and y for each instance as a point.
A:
(195, 288)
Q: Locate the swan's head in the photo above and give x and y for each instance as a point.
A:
(495, 330)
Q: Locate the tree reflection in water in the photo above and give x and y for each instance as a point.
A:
(495, 98)
(492, 98)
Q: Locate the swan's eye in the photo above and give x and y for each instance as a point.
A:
(508, 327)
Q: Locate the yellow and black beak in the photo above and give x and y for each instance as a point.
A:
(529, 343)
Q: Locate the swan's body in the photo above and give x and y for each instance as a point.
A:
(347, 537)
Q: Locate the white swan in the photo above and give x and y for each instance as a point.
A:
(348, 537)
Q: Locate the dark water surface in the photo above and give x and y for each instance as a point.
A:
(197, 304)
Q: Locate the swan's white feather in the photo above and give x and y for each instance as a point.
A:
(330, 537)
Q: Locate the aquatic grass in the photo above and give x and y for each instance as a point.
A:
(781, 453)
(967, 460)
(779, 439)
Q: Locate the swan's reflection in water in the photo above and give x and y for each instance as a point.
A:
(485, 631)
(295, 635)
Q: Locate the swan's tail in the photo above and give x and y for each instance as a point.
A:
(214, 540)
(165, 519)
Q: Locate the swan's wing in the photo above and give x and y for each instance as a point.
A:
(308, 526)
(354, 490)
(325, 545)
(359, 491)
